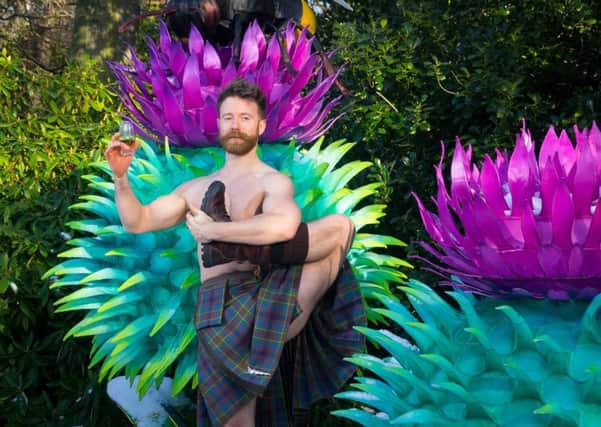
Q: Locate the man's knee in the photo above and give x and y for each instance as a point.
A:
(345, 229)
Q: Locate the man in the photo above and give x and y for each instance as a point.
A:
(245, 312)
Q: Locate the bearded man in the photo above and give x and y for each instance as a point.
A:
(266, 277)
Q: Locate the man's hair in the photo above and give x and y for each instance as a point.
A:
(241, 88)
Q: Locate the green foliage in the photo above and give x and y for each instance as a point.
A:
(51, 127)
(426, 71)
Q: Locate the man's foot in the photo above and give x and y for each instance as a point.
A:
(213, 203)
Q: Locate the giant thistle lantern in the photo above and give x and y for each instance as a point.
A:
(520, 240)
(175, 94)
(138, 291)
(526, 227)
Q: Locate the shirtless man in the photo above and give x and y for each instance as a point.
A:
(250, 185)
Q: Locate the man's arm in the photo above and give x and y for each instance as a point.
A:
(278, 222)
(164, 212)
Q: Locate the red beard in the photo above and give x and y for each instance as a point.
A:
(236, 147)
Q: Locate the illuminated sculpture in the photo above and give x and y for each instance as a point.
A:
(525, 234)
(138, 291)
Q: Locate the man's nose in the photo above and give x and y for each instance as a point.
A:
(235, 123)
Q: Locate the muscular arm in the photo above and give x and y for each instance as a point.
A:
(163, 212)
(278, 222)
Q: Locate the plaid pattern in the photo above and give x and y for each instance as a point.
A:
(241, 324)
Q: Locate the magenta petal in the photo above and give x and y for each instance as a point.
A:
(575, 262)
(490, 186)
(562, 217)
(152, 113)
(428, 220)
(193, 131)
(493, 263)
(593, 240)
(177, 59)
(249, 52)
(164, 37)
(273, 54)
(567, 155)
(196, 43)
(529, 231)
(518, 176)
(265, 77)
(591, 262)
(212, 64)
(191, 84)
(549, 147)
(302, 51)
(586, 182)
(549, 182)
(302, 78)
(173, 111)
(595, 138)
(459, 175)
(550, 259)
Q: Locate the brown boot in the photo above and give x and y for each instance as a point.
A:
(216, 253)
(213, 203)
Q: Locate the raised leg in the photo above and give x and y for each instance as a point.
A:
(330, 239)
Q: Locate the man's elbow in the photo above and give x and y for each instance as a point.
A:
(133, 228)
(289, 231)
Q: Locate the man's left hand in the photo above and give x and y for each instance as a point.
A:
(199, 224)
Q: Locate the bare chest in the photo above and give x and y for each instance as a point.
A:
(243, 197)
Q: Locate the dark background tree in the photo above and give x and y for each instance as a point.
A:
(420, 72)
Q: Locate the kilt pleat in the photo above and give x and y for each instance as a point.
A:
(241, 344)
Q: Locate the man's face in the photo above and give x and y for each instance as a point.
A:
(240, 125)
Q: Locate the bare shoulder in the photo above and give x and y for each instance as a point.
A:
(193, 189)
(275, 181)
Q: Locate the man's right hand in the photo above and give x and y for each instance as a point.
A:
(120, 155)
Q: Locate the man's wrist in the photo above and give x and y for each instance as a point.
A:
(120, 181)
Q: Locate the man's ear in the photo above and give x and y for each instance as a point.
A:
(262, 126)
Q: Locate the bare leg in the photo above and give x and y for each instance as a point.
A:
(328, 236)
(245, 417)
(334, 234)
(330, 239)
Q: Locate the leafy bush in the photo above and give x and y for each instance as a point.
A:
(51, 127)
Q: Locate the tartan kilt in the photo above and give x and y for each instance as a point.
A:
(241, 324)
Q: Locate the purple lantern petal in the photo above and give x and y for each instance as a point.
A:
(491, 187)
(187, 78)
(173, 111)
(249, 52)
(562, 217)
(518, 176)
(212, 64)
(566, 153)
(529, 231)
(549, 147)
(459, 180)
(196, 43)
(191, 84)
(552, 249)
(586, 181)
